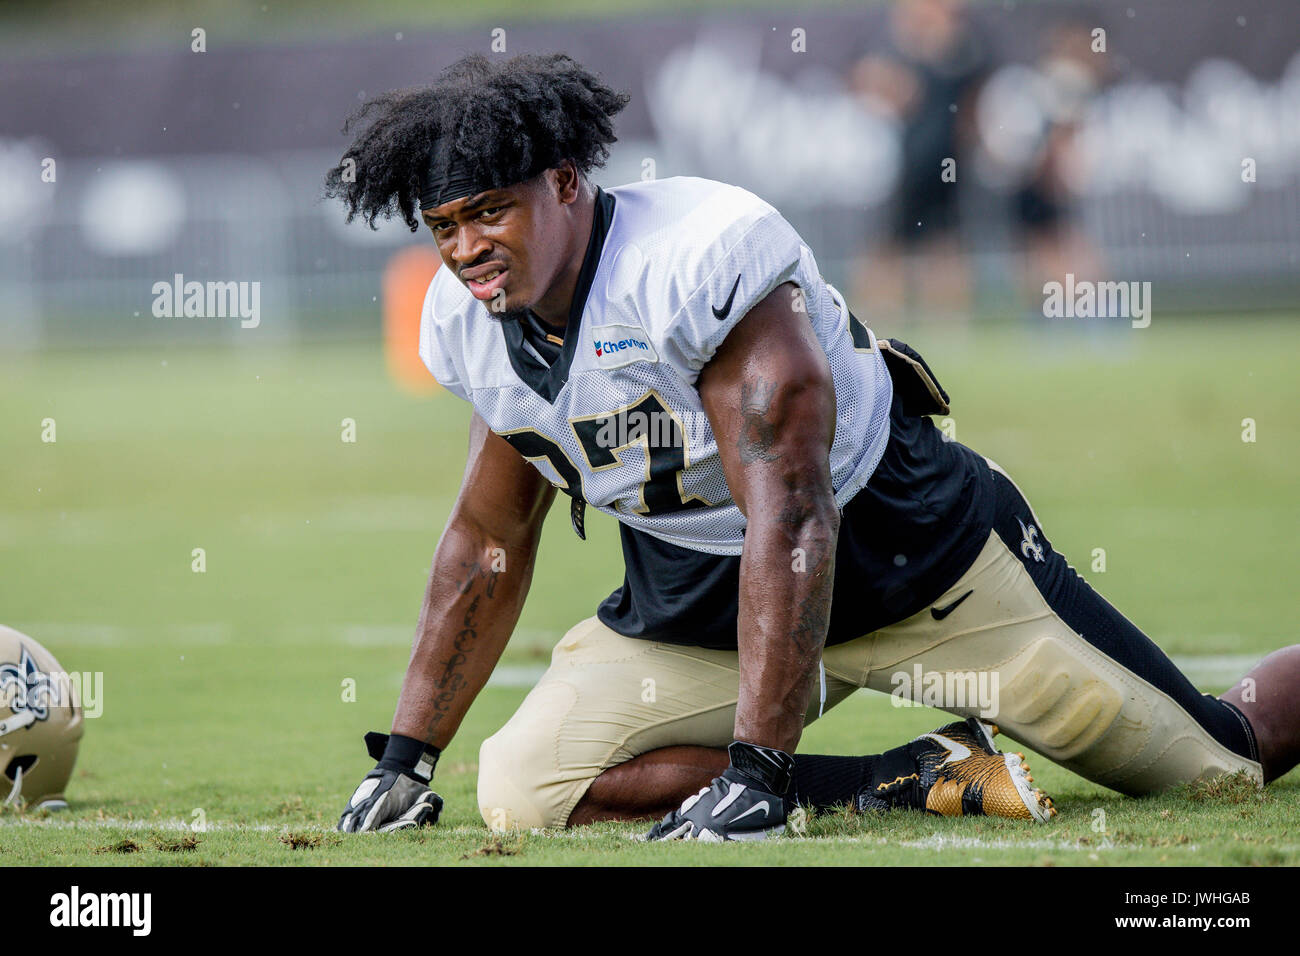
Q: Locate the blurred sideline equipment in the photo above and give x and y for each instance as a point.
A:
(41, 724)
(406, 282)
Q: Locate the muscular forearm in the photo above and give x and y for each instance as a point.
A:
(787, 572)
(770, 398)
(471, 606)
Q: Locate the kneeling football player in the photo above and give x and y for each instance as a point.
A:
(793, 525)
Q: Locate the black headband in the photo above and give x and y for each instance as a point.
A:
(446, 179)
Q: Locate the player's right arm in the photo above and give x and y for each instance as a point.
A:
(481, 572)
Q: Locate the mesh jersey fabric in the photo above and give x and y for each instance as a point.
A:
(683, 261)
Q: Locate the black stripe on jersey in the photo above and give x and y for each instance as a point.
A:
(547, 381)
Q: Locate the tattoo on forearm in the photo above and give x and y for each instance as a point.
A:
(450, 681)
(757, 431)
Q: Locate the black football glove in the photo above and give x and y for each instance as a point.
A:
(395, 795)
(746, 803)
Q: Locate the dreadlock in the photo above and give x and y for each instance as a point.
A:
(503, 120)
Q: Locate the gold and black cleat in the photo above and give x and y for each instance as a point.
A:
(960, 772)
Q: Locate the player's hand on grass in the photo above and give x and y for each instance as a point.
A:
(746, 803)
(395, 795)
(388, 800)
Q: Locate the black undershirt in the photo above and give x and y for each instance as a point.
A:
(904, 539)
(543, 336)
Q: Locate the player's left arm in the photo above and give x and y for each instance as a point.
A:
(770, 400)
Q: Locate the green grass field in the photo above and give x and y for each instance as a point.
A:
(223, 691)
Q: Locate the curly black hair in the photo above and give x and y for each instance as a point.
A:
(503, 120)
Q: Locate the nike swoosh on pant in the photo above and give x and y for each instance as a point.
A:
(939, 613)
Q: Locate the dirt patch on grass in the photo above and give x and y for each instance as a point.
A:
(184, 845)
(301, 841)
(121, 846)
(495, 848)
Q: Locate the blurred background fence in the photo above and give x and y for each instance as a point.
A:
(1165, 148)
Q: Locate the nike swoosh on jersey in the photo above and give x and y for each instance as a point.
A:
(939, 613)
(955, 750)
(722, 313)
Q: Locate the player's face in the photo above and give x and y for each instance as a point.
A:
(500, 243)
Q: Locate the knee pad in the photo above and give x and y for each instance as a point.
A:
(1067, 700)
(507, 799)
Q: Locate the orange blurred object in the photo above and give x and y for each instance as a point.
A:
(406, 280)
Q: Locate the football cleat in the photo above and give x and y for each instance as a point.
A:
(960, 772)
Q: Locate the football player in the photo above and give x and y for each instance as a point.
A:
(794, 527)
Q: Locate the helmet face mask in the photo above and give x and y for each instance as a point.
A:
(41, 723)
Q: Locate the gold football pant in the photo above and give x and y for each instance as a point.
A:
(1019, 639)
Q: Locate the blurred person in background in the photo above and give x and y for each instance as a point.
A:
(1029, 120)
(927, 77)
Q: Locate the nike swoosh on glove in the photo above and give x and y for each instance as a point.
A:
(742, 804)
(389, 800)
(731, 808)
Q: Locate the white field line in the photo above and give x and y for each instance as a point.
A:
(1201, 669)
(576, 835)
(54, 633)
(169, 826)
(516, 676)
(937, 841)
(1216, 668)
(941, 841)
(178, 825)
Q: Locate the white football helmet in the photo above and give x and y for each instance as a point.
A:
(41, 723)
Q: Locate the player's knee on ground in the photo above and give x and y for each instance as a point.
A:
(504, 799)
(512, 793)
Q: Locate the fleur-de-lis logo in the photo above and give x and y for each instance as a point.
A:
(1029, 545)
(23, 687)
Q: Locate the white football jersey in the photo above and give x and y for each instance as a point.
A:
(617, 420)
